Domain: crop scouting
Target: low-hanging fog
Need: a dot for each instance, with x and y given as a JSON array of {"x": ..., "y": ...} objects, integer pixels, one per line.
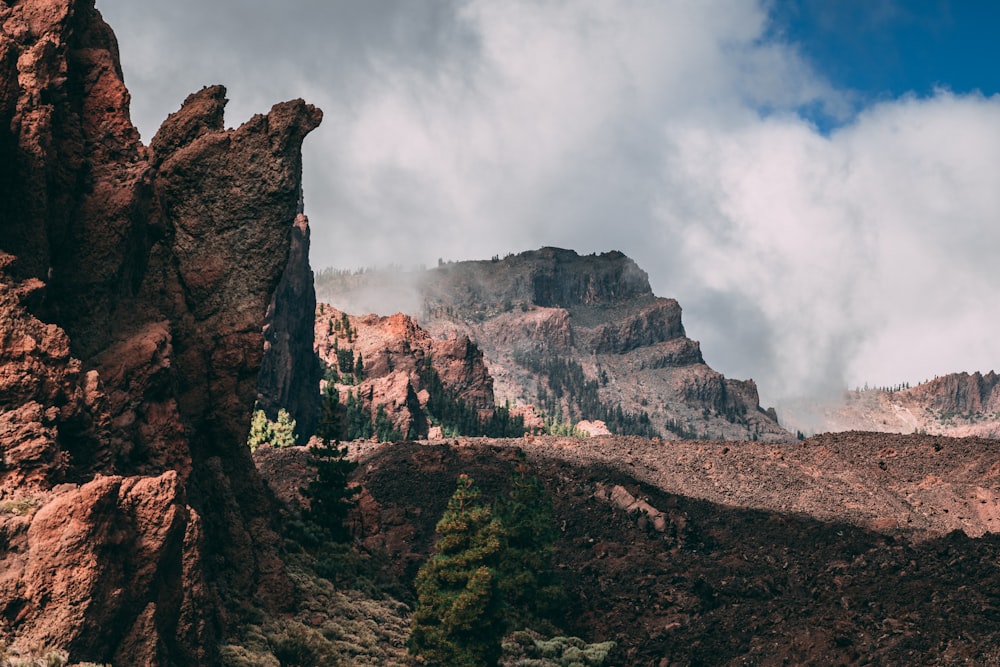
[{"x": 814, "y": 240}]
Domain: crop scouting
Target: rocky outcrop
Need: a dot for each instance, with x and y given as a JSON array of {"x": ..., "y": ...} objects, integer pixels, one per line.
[
  {"x": 960, "y": 393},
  {"x": 134, "y": 285},
  {"x": 957, "y": 405},
  {"x": 536, "y": 312},
  {"x": 290, "y": 370},
  {"x": 396, "y": 353}
]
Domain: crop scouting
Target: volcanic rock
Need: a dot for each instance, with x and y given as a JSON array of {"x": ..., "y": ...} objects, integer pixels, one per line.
[
  {"x": 133, "y": 286},
  {"x": 550, "y": 311},
  {"x": 396, "y": 353},
  {"x": 290, "y": 370}
]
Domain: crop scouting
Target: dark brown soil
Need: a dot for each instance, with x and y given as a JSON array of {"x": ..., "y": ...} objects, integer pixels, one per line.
[{"x": 723, "y": 585}]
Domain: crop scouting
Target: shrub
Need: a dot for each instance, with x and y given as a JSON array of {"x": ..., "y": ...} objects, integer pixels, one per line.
[
  {"x": 530, "y": 649},
  {"x": 21, "y": 506},
  {"x": 263, "y": 431}
]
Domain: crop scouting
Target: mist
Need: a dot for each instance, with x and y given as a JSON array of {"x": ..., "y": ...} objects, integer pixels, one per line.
[{"x": 815, "y": 243}]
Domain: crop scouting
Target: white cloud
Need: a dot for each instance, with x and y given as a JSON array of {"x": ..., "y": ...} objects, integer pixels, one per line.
[{"x": 668, "y": 130}]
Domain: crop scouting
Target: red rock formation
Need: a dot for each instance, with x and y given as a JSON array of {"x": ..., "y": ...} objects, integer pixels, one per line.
[
  {"x": 394, "y": 350},
  {"x": 133, "y": 285}
]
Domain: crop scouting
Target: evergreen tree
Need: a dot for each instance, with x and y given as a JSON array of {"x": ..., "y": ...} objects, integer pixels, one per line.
[
  {"x": 260, "y": 431},
  {"x": 359, "y": 418},
  {"x": 529, "y": 587},
  {"x": 330, "y": 497},
  {"x": 284, "y": 430},
  {"x": 263, "y": 431},
  {"x": 458, "y": 621},
  {"x": 385, "y": 430},
  {"x": 359, "y": 369}
]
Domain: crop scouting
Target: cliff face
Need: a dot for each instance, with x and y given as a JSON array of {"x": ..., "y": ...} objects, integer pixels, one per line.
[
  {"x": 395, "y": 352},
  {"x": 290, "y": 370},
  {"x": 541, "y": 315},
  {"x": 134, "y": 285},
  {"x": 957, "y": 405}
]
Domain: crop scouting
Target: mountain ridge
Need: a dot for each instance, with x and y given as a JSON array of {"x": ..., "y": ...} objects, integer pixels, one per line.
[{"x": 546, "y": 315}]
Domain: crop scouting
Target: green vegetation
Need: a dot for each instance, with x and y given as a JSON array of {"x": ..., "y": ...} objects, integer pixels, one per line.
[
  {"x": 491, "y": 572},
  {"x": 332, "y": 625},
  {"x": 569, "y": 388},
  {"x": 263, "y": 431},
  {"x": 20, "y": 506},
  {"x": 358, "y": 418},
  {"x": 555, "y": 427},
  {"x": 532, "y": 595},
  {"x": 456, "y": 417},
  {"x": 458, "y": 621},
  {"x": 385, "y": 430},
  {"x": 330, "y": 496},
  {"x": 530, "y": 649}
]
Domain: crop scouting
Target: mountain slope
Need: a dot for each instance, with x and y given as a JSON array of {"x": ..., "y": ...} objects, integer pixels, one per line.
[
  {"x": 958, "y": 405},
  {"x": 581, "y": 337}
]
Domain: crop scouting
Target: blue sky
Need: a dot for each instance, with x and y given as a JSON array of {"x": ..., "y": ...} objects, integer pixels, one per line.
[
  {"x": 885, "y": 49},
  {"x": 814, "y": 181}
]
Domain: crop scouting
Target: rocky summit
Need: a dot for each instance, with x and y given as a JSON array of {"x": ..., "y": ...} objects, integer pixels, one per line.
[
  {"x": 135, "y": 281},
  {"x": 580, "y": 337}
]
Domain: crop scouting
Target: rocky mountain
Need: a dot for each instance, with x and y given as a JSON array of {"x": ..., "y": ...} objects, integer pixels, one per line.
[
  {"x": 853, "y": 548},
  {"x": 133, "y": 286},
  {"x": 580, "y": 337},
  {"x": 958, "y": 405},
  {"x": 393, "y": 365}
]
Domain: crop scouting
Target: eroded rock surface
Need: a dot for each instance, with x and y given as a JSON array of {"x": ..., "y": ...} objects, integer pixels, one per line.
[
  {"x": 396, "y": 355},
  {"x": 551, "y": 312},
  {"x": 133, "y": 286},
  {"x": 290, "y": 370}
]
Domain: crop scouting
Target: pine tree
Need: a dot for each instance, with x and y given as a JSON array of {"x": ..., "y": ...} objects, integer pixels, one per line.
[
  {"x": 263, "y": 431},
  {"x": 330, "y": 497},
  {"x": 260, "y": 431},
  {"x": 529, "y": 587},
  {"x": 284, "y": 430},
  {"x": 458, "y": 621}
]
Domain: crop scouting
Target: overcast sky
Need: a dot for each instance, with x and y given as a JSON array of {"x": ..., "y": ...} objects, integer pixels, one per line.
[{"x": 817, "y": 183}]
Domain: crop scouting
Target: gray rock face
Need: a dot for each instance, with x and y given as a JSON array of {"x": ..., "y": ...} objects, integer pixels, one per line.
[{"x": 543, "y": 315}]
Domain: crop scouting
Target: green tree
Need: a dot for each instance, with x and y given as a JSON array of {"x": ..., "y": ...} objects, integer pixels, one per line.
[
  {"x": 531, "y": 592},
  {"x": 330, "y": 496},
  {"x": 385, "y": 430},
  {"x": 359, "y": 418},
  {"x": 359, "y": 368},
  {"x": 458, "y": 621},
  {"x": 263, "y": 431}
]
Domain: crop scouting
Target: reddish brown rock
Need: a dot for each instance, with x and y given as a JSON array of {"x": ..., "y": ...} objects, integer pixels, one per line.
[
  {"x": 395, "y": 351},
  {"x": 133, "y": 286}
]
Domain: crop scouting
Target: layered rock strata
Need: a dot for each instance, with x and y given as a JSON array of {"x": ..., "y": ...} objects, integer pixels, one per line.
[{"x": 536, "y": 312}]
